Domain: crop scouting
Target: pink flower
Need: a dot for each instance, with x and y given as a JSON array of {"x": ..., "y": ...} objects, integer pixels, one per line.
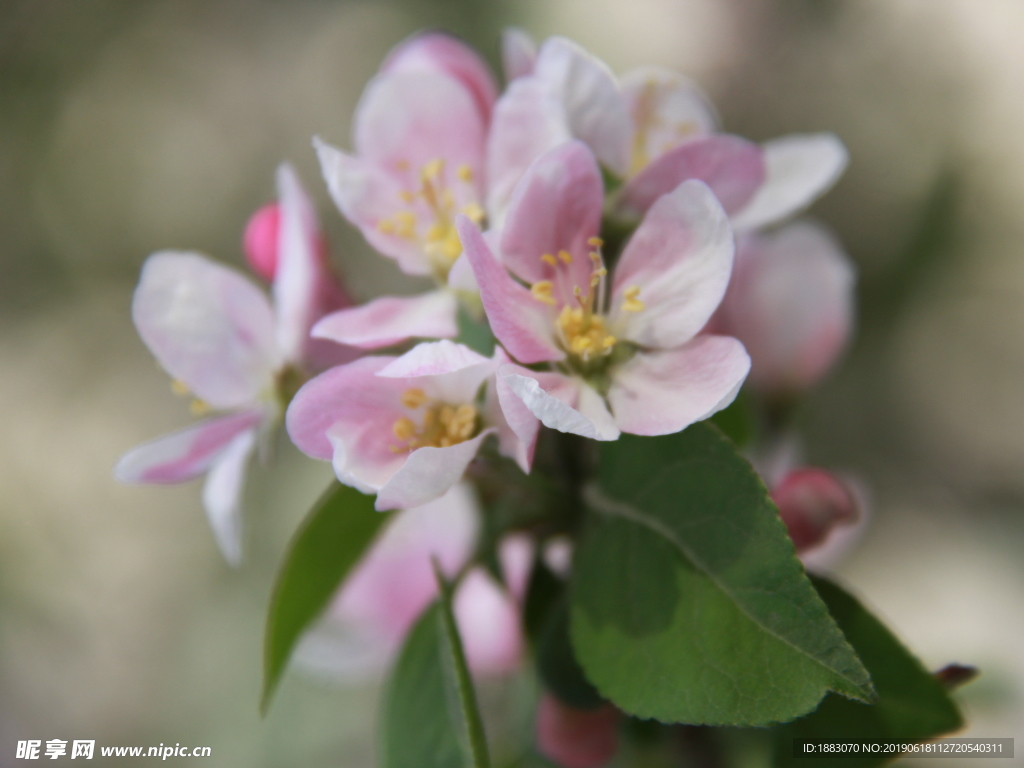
[
  {"x": 419, "y": 136},
  {"x": 791, "y": 303},
  {"x": 626, "y": 357},
  {"x": 655, "y": 129},
  {"x": 394, "y": 583},
  {"x": 576, "y": 738},
  {"x": 404, "y": 428},
  {"x": 220, "y": 339}
]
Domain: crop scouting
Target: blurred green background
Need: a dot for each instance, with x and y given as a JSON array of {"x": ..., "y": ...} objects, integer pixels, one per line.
[{"x": 128, "y": 126}]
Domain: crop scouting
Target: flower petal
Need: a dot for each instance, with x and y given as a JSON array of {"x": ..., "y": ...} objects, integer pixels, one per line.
[
  {"x": 406, "y": 120},
  {"x": 552, "y": 399},
  {"x": 366, "y": 195},
  {"x": 437, "y": 52},
  {"x": 185, "y": 454},
  {"x": 351, "y": 395},
  {"x": 598, "y": 113},
  {"x": 518, "y": 428},
  {"x": 390, "y": 320},
  {"x": 304, "y": 288},
  {"x": 576, "y": 738},
  {"x": 488, "y": 621},
  {"x": 658, "y": 393},
  {"x": 433, "y": 358},
  {"x": 222, "y": 495},
  {"x": 680, "y": 259},
  {"x": 733, "y": 168},
  {"x": 791, "y": 303},
  {"x": 428, "y": 473},
  {"x": 519, "y": 321},
  {"x": 528, "y": 121},
  {"x": 208, "y": 326},
  {"x": 667, "y": 109},
  {"x": 556, "y": 207},
  {"x": 518, "y": 53},
  {"x": 800, "y": 168}
]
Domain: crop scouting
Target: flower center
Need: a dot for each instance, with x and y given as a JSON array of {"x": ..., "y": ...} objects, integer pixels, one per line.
[
  {"x": 441, "y": 424},
  {"x": 436, "y": 235},
  {"x": 582, "y": 330}
]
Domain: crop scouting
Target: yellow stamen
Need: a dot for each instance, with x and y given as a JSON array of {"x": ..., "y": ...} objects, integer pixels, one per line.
[
  {"x": 631, "y": 302},
  {"x": 406, "y": 196},
  {"x": 405, "y": 224},
  {"x": 404, "y": 428},
  {"x": 565, "y": 256},
  {"x": 432, "y": 169},
  {"x": 199, "y": 407},
  {"x": 465, "y": 172},
  {"x": 547, "y": 258},
  {"x": 414, "y": 398},
  {"x": 179, "y": 387},
  {"x": 386, "y": 227},
  {"x": 608, "y": 342},
  {"x": 595, "y": 242},
  {"x": 444, "y": 425},
  {"x": 474, "y": 212},
  {"x": 541, "y": 291}
]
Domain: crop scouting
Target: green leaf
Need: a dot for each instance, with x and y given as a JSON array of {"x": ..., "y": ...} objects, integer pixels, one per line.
[
  {"x": 688, "y": 602},
  {"x": 912, "y": 705},
  {"x": 430, "y": 717},
  {"x": 474, "y": 332},
  {"x": 327, "y": 545},
  {"x": 557, "y": 665},
  {"x": 737, "y": 420}
]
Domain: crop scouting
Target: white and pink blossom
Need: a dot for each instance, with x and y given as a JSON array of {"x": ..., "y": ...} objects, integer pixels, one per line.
[{"x": 226, "y": 344}]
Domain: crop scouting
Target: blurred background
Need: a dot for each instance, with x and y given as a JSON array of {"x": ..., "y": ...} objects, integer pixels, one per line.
[{"x": 128, "y": 126}]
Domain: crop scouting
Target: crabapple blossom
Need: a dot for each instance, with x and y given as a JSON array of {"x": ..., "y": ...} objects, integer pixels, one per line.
[
  {"x": 404, "y": 427},
  {"x": 222, "y": 341},
  {"x": 394, "y": 582},
  {"x": 627, "y": 357}
]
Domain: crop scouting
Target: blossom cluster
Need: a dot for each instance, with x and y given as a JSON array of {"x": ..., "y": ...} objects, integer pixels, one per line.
[{"x": 602, "y": 259}]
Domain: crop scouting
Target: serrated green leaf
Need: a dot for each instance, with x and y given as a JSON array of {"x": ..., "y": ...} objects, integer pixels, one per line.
[
  {"x": 327, "y": 545},
  {"x": 912, "y": 705},
  {"x": 688, "y": 602},
  {"x": 430, "y": 717}
]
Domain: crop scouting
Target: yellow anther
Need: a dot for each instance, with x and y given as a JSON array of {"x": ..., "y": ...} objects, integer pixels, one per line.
[
  {"x": 474, "y": 212},
  {"x": 405, "y": 224},
  {"x": 595, "y": 242},
  {"x": 432, "y": 169},
  {"x": 541, "y": 291},
  {"x": 414, "y": 398},
  {"x": 386, "y": 227},
  {"x": 179, "y": 387},
  {"x": 631, "y": 302},
  {"x": 406, "y": 196},
  {"x": 595, "y": 257},
  {"x": 608, "y": 342},
  {"x": 547, "y": 258},
  {"x": 595, "y": 280},
  {"x": 581, "y": 344},
  {"x": 404, "y": 429},
  {"x": 565, "y": 256},
  {"x": 601, "y": 272},
  {"x": 199, "y": 407},
  {"x": 465, "y": 172}
]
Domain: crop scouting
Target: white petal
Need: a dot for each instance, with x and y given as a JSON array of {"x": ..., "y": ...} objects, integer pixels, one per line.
[
  {"x": 428, "y": 473},
  {"x": 392, "y": 319},
  {"x": 209, "y": 326},
  {"x": 553, "y": 409},
  {"x": 433, "y": 358},
  {"x": 800, "y": 168},
  {"x": 518, "y": 53},
  {"x": 222, "y": 496}
]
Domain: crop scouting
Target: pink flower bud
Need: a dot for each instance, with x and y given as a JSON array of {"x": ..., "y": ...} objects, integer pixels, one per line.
[
  {"x": 812, "y": 502},
  {"x": 260, "y": 241},
  {"x": 576, "y": 738}
]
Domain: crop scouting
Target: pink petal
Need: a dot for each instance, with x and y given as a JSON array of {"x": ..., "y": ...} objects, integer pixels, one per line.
[
  {"x": 518, "y": 53},
  {"x": 518, "y": 428},
  {"x": 428, "y": 473},
  {"x": 222, "y": 495},
  {"x": 597, "y": 112},
  {"x": 433, "y": 359},
  {"x": 800, "y": 168},
  {"x": 187, "y": 453},
  {"x": 732, "y": 167},
  {"x": 667, "y": 109},
  {"x": 528, "y": 121},
  {"x": 811, "y": 503},
  {"x": 351, "y": 395},
  {"x": 259, "y": 243},
  {"x": 576, "y": 738},
  {"x": 366, "y": 194},
  {"x": 658, "y": 393},
  {"x": 520, "y": 322},
  {"x": 562, "y": 403},
  {"x": 438, "y": 53},
  {"x": 390, "y": 320},
  {"x": 680, "y": 258},
  {"x": 791, "y": 303},
  {"x": 488, "y": 620},
  {"x": 208, "y": 326},
  {"x": 516, "y": 555},
  {"x": 304, "y": 287},
  {"x": 556, "y": 207},
  {"x": 406, "y": 120}
]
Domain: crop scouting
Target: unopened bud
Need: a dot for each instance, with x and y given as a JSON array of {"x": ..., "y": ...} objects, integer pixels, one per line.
[
  {"x": 812, "y": 502},
  {"x": 260, "y": 241}
]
